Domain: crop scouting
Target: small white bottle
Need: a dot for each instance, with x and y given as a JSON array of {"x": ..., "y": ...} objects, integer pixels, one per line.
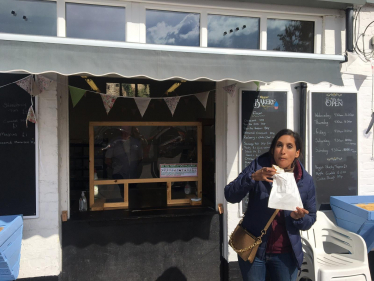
[
  {"x": 83, "y": 203},
  {"x": 96, "y": 188}
]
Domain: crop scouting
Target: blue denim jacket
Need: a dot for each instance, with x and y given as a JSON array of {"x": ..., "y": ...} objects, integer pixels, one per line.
[{"x": 258, "y": 214}]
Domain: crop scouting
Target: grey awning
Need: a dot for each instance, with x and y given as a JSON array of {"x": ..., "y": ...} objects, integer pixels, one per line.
[
  {"x": 138, "y": 60},
  {"x": 326, "y": 4}
]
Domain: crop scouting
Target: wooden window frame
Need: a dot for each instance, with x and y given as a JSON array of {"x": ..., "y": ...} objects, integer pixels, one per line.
[{"x": 101, "y": 205}]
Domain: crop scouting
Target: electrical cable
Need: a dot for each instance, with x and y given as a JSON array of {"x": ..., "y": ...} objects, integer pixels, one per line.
[{"x": 365, "y": 56}]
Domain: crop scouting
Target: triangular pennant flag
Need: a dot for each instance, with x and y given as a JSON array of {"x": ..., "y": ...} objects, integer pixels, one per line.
[
  {"x": 31, "y": 116},
  {"x": 203, "y": 98},
  {"x": 43, "y": 83},
  {"x": 257, "y": 84},
  {"x": 108, "y": 102},
  {"x": 230, "y": 89},
  {"x": 76, "y": 94},
  {"x": 172, "y": 103},
  {"x": 142, "y": 104},
  {"x": 25, "y": 84}
]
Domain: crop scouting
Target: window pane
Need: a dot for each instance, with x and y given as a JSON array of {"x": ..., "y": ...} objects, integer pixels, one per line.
[
  {"x": 173, "y": 28},
  {"x": 147, "y": 195},
  {"x": 136, "y": 90},
  {"x": 233, "y": 32},
  {"x": 95, "y": 22},
  {"x": 110, "y": 193},
  {"x": 184, "y": 190},
  {"x": 40, "y": 17},
  {"x": 137, "y": 152},
  {"x": 290, "y": 35}
]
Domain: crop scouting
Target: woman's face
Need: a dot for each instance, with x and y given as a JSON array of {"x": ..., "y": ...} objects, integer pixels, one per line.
[{"x": 285, "y": 151}]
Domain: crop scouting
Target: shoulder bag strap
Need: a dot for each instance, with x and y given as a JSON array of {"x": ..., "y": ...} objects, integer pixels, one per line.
[
  {"x": 271, "y": 220},
  {"x": 263, "y": 232}
]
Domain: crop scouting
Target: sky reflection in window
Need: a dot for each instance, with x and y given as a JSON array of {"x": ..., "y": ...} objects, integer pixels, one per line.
[
  {"x": 28, "y": 17},
  {"x": 233, "y": 32},
  {"x": 290, "y": 35},
  {"x": 173, "y": 28},
  {"x": 95, "y": 22}
]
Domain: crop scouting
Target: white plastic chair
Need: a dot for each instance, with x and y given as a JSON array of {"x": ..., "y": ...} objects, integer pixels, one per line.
[{"x": 347, "y": 264}]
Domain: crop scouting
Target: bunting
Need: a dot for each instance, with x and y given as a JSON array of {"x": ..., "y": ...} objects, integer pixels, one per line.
[
  {"x": 31, "y": 116},
  {"x": 108, "y": 102},
  {"x": 76, "y": 94},
  {"x": 203, "y": 98},
  {"x": 142, "y": 104},
  {"x": 230, "y": 89},
  {"x": 257, "y": 84},
  {"x": 172, "y": 103},
  {"x": 43, "y": 83},
  {"x": 26, "y": 84}
]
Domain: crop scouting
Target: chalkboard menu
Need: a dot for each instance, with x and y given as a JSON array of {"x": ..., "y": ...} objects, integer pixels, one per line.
[
  {"x": 334, "y": 144},
  {"x": 17, "y": 150},
  {"x": 262, "y": 115}
]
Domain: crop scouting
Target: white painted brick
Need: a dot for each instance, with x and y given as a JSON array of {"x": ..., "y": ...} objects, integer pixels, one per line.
[{"x": 41, "y": 247}]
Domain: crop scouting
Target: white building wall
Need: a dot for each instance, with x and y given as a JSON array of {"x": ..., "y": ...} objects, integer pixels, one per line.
[
  {"x": 359, "y": 75},
  {"x": 41, "y": 249}
]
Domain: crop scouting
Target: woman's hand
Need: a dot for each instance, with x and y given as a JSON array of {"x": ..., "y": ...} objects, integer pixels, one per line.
[
  {"x": 264, "y": 174},
  {"x": 299, "y": 213}
]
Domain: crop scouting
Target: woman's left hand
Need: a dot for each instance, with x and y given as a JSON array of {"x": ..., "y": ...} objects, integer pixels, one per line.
[{"x": 299, "y": 213}]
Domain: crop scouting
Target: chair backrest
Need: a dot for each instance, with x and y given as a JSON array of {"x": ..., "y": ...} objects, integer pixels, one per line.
[{"x": 324, "y": 230}]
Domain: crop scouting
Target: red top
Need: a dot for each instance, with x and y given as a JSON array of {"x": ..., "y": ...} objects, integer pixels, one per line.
[{"x": 278, "y": 241}]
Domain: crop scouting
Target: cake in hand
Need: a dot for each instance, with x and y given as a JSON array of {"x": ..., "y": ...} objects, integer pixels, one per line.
[{"x": 278, "y": 169}]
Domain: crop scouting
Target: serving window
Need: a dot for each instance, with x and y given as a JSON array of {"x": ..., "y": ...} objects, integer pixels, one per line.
[{"x": 145, "y": 164}]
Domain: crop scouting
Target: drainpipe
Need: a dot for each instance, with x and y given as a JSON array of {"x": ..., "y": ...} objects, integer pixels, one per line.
[
  {"x": 349, "y": 29},
  {"x": 302, "y": 125}
]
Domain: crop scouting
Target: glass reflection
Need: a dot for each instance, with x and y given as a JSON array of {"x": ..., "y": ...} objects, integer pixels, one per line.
[
  {"x": 110, "y": 193},
  {"x": 172, "y": 28},
  {"x": 28, "y": 17},
  {"x": 233, "y": 32},
  {"x": 136, "y": 90},
  {"x": 95, "y": 22},
  {"x": 184, "y": 190},
  {"x": 136, "y": 152},
  {"x": 290, "y": 35}
]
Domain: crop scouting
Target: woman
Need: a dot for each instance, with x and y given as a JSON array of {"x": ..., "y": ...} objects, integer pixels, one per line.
[{"x": 280, "y": 253}]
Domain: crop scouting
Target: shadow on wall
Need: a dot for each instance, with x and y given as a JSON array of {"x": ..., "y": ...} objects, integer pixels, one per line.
[
  {"x": 172, "y": 273},
  {"x": 166, "y": 248},
  {"x": 140, "y": 231}
]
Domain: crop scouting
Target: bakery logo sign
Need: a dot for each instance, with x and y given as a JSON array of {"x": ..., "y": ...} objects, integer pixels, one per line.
[{"x": 266, "y": 102}]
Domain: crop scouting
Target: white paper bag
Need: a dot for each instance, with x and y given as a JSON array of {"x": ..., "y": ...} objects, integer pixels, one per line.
[{"x": 284, "y": 195}]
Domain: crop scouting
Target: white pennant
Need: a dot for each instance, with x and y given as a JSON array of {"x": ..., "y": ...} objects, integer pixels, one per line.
[
  {"x": 42, "y": 83},
  {"x": 31, "y": 116},
  {"x": 108, "y": 102},
  {"x": 203, "y": 98},
  {"x": 142, "y": 104},
  {"x": 230, "y": 89},
  {"x": 172, "y": 103},
  {"x": 26, "y": 84}
]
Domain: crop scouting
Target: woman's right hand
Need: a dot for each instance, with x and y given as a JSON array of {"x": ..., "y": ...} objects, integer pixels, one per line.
[{"x": 264, "y": 174}]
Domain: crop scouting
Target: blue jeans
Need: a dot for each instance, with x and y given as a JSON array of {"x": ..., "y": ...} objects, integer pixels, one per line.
[{"x": 280, "y": 267}]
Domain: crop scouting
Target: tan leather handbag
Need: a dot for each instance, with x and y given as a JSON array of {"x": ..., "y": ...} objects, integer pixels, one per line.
[{"x": 245, "y": 243}]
